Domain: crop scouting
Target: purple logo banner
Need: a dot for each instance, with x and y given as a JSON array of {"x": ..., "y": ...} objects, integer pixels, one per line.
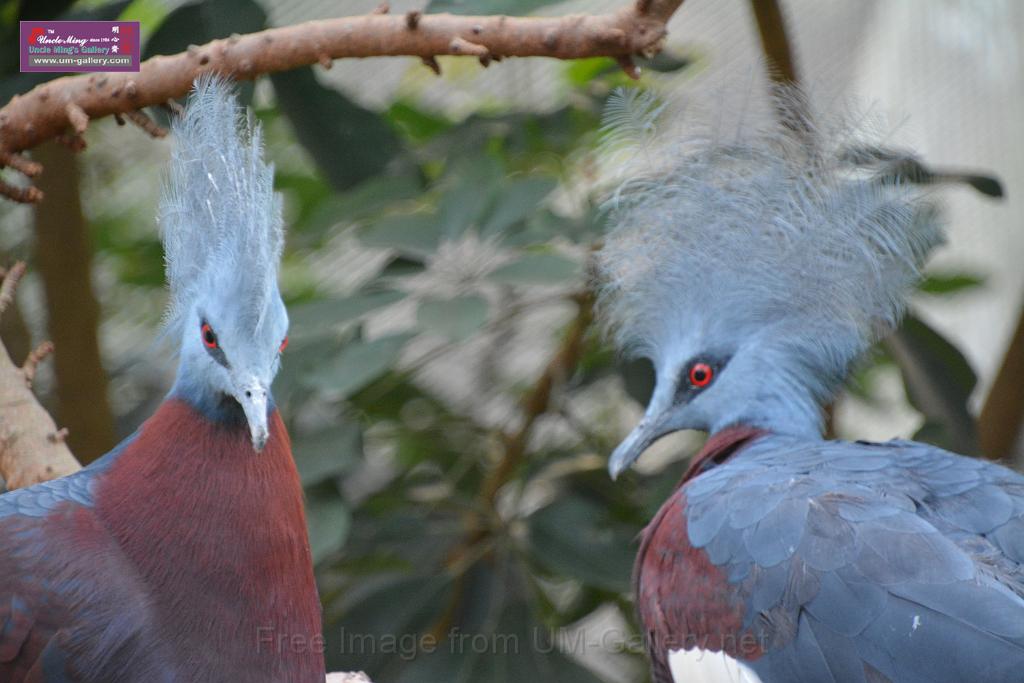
[{"x": 78, "y": 46}]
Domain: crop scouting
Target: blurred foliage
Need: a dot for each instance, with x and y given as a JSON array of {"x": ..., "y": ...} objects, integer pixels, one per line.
[{"x": 471, "y": 236}]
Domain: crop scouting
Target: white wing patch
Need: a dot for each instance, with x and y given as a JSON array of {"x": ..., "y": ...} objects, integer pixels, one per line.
[{"x": 702, "y": 666}]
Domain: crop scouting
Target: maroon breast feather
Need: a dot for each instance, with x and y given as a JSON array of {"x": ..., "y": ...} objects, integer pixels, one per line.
[{"x": 684, "y": 601}]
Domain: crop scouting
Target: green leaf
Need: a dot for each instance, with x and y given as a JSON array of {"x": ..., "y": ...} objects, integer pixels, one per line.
[
  {"x": 327, "y": 518},
  {"x": 664, "y": 62},
  {"x": 638, "y": 378},
  {"x": 499, "y": 637},
  {"x": 382, "y": 622},
  {"x": 938, "y": 381},
  {"x": 456, "y": 319},
  {"x": 328, "y": 452},
  {"x": 518, "y": 199},
  {"x": 180, "y": 28},
  {"x": 358, "y": 364},
  {"x": 197, "y": 23},
  {"x": 348, "y": 143},
  {"x": 373, "y": 196},
  {"x": 415, "y": 234},
  {"x": 573, "y": 536},
  {"x": 149, "y": 13},
  {"x": 401, "y": 266},
  {"x": 41, "y": 10},
  {"x": 417, "y": 124},
  {"x": 318, "y": 215},
  {"x": 303, "y": 190},
  {"x": 537, "y": 268},
  {"x": 310, "y": 321},
  {"x": 301, "y": 358},
  {"x": 950, "y": 283},
  {"x": 487, "y": 7},
  {"x": 473, "y": 185},
  {"x": 580, "y": 72}
]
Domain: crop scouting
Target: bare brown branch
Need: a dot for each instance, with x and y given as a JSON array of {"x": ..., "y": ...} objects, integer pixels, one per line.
[
  {"x": 140, "y": 119},
  {"x": 25, "y": 195},
  {"x": 629, "y": 67},
  {"x": 64, "y": 262},
  {"x": 29, "y": 453},
  {"x": 10, "y": 284},
  {"x": 999, "y": 424},
  {"x": 21, "y": 164},
  {"x": 781, "y": 63},
  {"x": 778, "y": 51},
  {"x": 77, "y": 117},
  {"x": 45, "y": 112},
  {"x": 35, "y": 357},
  {"x": 461, "y": 46},
  {"x": 432, "y": 64}
]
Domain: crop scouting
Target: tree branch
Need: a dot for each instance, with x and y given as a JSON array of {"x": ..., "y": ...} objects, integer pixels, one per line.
[
  {"x": 535, "y": 403},
  {"x": 31, "y": 447},
  {"x": 775, "y": 42},
  {"x": 49, "y": 110},
  {"x": 64, "y": 260},
  {"x": 780, "y": 64},
  {"x": 538, "y": 400},
  {"x": 999, "y": 423}
]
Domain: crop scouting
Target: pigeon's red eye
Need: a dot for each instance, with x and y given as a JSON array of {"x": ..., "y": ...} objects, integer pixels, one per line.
[
  {"x": 701, "y": 374},
  {"x": 209, "y": 337},
  {"x": 284, "y": 345}
]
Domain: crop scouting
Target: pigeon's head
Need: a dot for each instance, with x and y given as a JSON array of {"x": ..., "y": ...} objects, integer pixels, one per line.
[
  {"x": 752, "y": 273},
  {"x": 222, "y": 229}
]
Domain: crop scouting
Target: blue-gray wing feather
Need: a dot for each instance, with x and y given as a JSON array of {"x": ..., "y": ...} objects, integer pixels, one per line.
[{"x": 869, "y": 562}]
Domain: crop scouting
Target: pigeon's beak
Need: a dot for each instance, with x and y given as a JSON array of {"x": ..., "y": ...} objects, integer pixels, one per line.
[
  {"x": 649, "y": 430},
  {"x": 253, "y": 399}
]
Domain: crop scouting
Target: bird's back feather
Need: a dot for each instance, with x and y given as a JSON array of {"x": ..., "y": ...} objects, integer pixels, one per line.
[{"x": 852, "y": 562}]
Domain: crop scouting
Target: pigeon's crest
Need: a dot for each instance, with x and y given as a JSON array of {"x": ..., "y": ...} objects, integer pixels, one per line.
[
  {"x": 770, "y": 236},
  {"x": 220, "y": 220}
]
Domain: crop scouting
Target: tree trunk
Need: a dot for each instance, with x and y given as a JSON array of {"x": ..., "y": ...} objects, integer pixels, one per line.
[{"x": 64, "y": 260}]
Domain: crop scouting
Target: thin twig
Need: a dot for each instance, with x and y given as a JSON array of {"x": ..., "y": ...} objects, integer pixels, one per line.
[
  {"x": 21, "y": 164},
  {"x": 151, "y": 127},
  {"x": 35, "y": 357},
  {"x": 77, "y": 117},
  {"x": 23, "y": 195},
  {"x": 780, "y": 62},
  {"x": 432, "y": 64},
  {"x": 10, "y": 278},
  {"x": 538, "y": 400}
]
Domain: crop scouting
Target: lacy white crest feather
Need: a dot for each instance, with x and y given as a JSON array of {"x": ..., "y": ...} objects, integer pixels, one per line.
[
  {"x": 220, "y": 219},
  {"x": 766, "y": 237}
]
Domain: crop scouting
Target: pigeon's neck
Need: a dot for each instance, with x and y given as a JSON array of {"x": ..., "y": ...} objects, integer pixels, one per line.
[
  {"x": 721, "y": 446},
  {"x": 214, "y": 405},
  {"x": 773, "y": 405},
  {"x": 209, "y": 523}
]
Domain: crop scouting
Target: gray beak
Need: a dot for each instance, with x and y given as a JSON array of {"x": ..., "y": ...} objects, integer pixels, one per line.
[
  {"x": 253, "y": 399},
  {"x": 639, "y": 440}
]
